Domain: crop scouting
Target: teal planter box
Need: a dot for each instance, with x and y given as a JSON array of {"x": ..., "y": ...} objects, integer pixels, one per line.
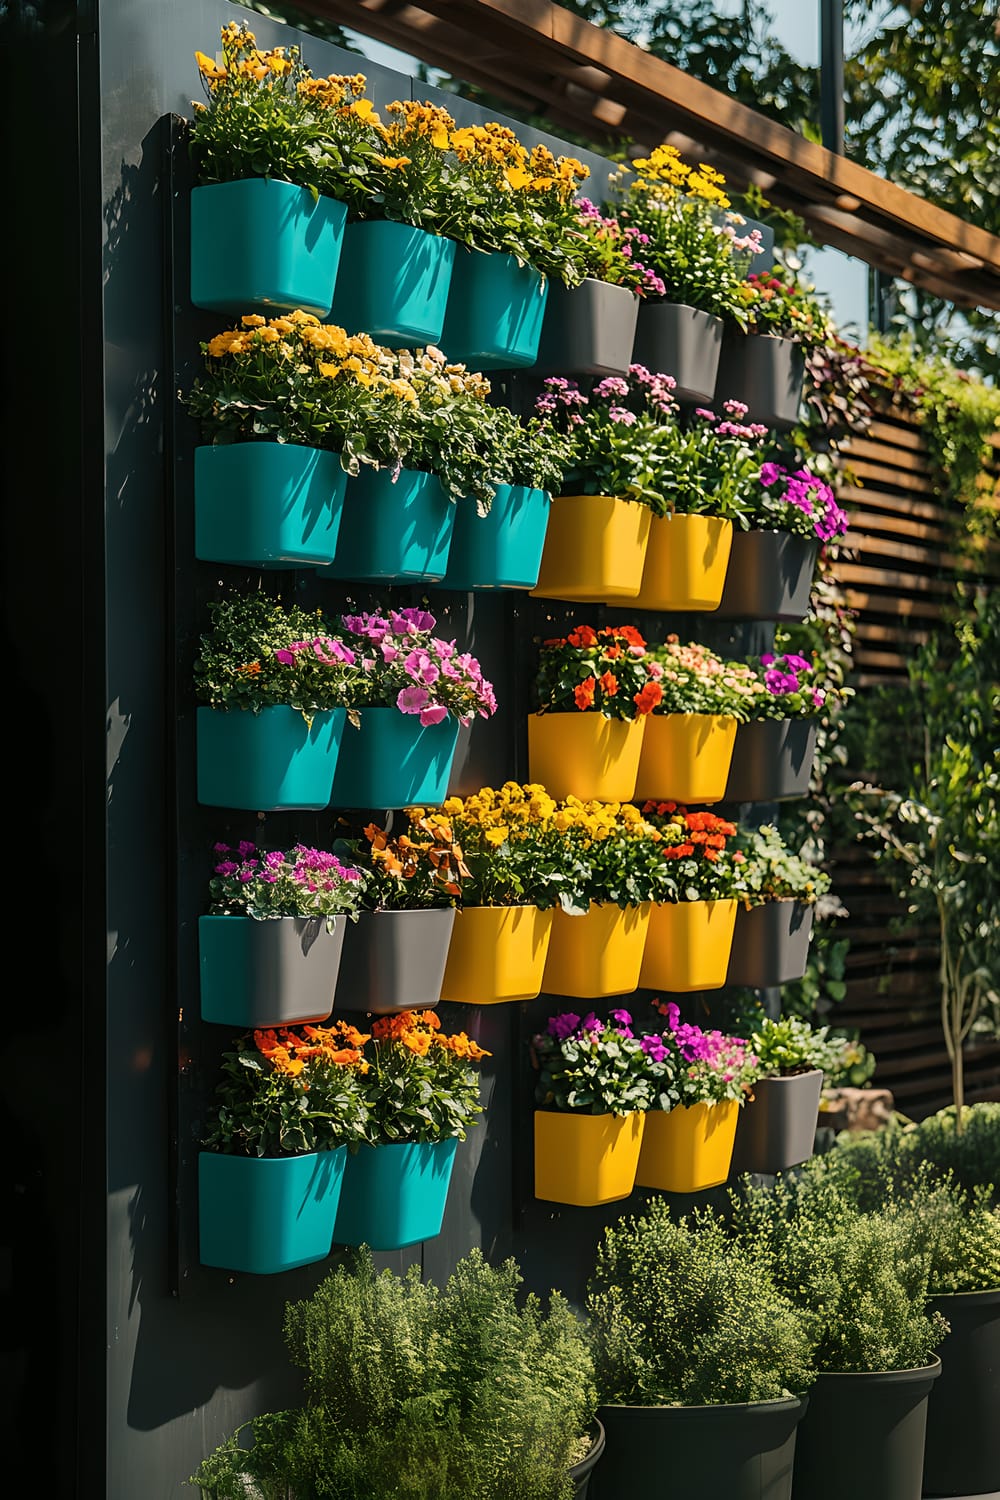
[
  {"x": 267, "y": 505},
  {"x": 395, "y": 1195},
  {"x": 275, "y": 971},
  {"x": 495, "y": 312},
  {"x": 259, "y": 243},
  {"x": 394, "y": 761},
  {"x": 502, "y": 550},
  {"x": 394, "y": 532},
  {"x": 267, "y": 761},
  {"x": 265, "y": 1214},
  {"x": 393, "y": 283}
]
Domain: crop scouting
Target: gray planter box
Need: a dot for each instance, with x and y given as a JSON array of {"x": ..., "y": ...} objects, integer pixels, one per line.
[
  {"x": 588, "y": 330},
  {"x": 772, "y": 760},
  {"x": 777, "y": 1128},
  {"x": 885, "y": 1412},
  {"x": 764, "y": 372},
  {"x": 770, "y": 944},
  {"x": 394, "y": 960},
  {"x": 770, "y": 576},
  {"x": 281, "y": 971},
  {"x": 672, "y": 339}
]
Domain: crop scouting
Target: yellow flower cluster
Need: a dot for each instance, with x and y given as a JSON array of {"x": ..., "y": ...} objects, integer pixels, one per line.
[
  {"x": 516, "y": 811},
  {"x": 664, "y": 173},
  {"x": 412, "y": 120}
]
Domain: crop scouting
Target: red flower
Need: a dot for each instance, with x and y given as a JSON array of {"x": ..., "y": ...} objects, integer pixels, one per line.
[
  {"x": 647, "y": 699},
  {"x": 583, "y": 635},
  {"x": 584, "y": 692},
  {"x": 609, "y": 683}
]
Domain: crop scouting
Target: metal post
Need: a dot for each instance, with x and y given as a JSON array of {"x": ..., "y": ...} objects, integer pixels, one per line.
[{"x": 831, "y": 75}]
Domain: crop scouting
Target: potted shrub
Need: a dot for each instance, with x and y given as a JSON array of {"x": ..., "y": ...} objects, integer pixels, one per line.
[
  {"x": 695, "y": 886},
  {"x": 593, "y": 1090},
  {"x": 472, "y": 1387},
  {"x": 421, "y": 1089},
  {"x": 592, "y": 699},
  {"x": 275, "y": 684},
  {"x": 701, "y": 1363},
  {"x": 275, "y": 1147},
  {"x": 789, "y": 515},
  {"x": 777, "y": 1127},
  {"x": 763, "y": 357},
  {"x": 775, "y": 919},
  {"x": 417, "y": 688},
  {"x": 269, "y": 948},
  {"x": 776, "y": 745}
]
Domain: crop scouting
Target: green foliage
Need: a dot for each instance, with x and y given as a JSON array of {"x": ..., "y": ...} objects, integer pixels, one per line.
[
  {"x": 679, "y": 1313},
  {"x": 789, "y": 1045},
  {"x": 892, "y": 1159},
  {"x": 774, "y": 872}
]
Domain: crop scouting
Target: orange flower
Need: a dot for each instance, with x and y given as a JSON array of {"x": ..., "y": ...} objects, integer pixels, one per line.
[
  {"x": 417, "y": 1041},
  {"x": 609, "y": 684},
  {"x": 648, "y": 697},
  {"x": 583, "y": 693},
  {"x": 583, "y": 635}
]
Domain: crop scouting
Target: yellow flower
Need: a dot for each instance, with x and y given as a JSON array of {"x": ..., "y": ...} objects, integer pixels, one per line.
[
  {"x": 517, "y": 178},
  {"x": 393, "y": 162},
  {"x": 252, "y": 320},
  {"x": 497, "y": 836}
]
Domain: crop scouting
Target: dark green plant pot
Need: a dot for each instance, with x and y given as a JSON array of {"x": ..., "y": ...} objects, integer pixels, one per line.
[
  {"x": 772, "y": 760},
  {"x": 770, "y": 944},
  {"x": 962, "y": 1450},
  {"x": 776, "y": 1129},
  {"x": 673, "y": 339},
  {"x": 882, "y": 1415},
  {"x": 394, "y": 960},
  {"x": 588, "y": 330},
  {"x": 580, "y": 1473},
  {"x": 732, "y": 1452},
  {"x": 770, "y": 576},
  {"x": 765, "y": 373}
]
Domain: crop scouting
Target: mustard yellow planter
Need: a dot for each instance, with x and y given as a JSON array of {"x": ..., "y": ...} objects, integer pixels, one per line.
[
  {"x": 595, "y": 549},
  {"x": 582, "y": 754},
  {"x": 586, "y": 1159},
  {"x": 497, "y": 953},
  {"x": 686, "y": 562},
  {"x": 596, "y": 954},
  {"x": 688, "y": 945},
  {"x": 688, "y": 1148},
  {"x": 686, "y": 758}
]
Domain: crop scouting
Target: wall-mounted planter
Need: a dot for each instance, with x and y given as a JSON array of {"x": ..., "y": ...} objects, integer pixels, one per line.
[
  {"x": 497, "y": 954},
  {"x": 776, "y": 1128},
  {"x": 685, "y": 758},
  {"x": 395, "y": 1194},
  {"x": 394, "y": 960},
  {"x": 770, "y": 944},
  {"x": 495, "y": 310},
  {"x": 265, "y": 1214},
  {"x": 585, "y": 755},
  {"x": 962, "y": 1450},
  {"x": 770, "y": 576},
  {"x": 268, "y": 761},
  {"x": 393, "y": 760},
  {"x": 597, "y": 954},
  {"x": 687, "y": 559},
  {"x": 595, "y": 549},
  {"x": 393, "y": 283},
  {"x": 673, "y": 339},
  {"x": 765, "y": 373},
  {"x": 394, "y": 530},
  {"x": 501, "y": 550},
  {"x": 688, "y": 945},
  {"x": 260, "y": 243},
  {"x": 586, "y": 1159},
  {"x": 267, "y": 505},
  {"x": 587, "y": 330},
  {"x": 688, "y": 1148},
  {"x": 281, "y": 971},
  {"x": 772, "y": 760}
]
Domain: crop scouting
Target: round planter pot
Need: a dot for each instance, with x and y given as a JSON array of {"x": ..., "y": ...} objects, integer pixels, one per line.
[
  {"x": 673, "y": 339},
  {"x": 501, "y": 550},
  {"x": 393, "y": 760},
  {"x": 731, "y": 1452},
  {"x": 393, "y": 531},
  {"x": 776, "y": 1128},
  {"x": 687, "y": 946},
  {"x": 688, "y": 1148},
  {"x": 281, "y": 971},
  {"x": 885, "y": 1413},
  {"x": 585, "y": 755},
  {"x": 765, "y": 373},
  {"x": 586, "y": 1159},
  {"x": 493, "y": 320},
  {"x": 270, "y": 761},
  {"x": 393, "y": 283},
  {"x": 267, "y": 505},
  {"x": 687, "y": 559},
  {"x": 597, "y": 954},
  {"x": 770, "y": 576},
  {"x": 587, "y": 330},
  {"x": 580, "y": 1473},
  {"x": 770, "y": 944},
  {"x": 497, "y": 954},
  {"x": 595, "y": 549},
  {"x": 962, "y": 1449},
  {"x": 685, "y": 758},
  {"x": 395, "y": 1195},
  {"x": 394, "y": 960},
  {"x": 772, "y": 760},
  {"x": 265, "y": 1214}
]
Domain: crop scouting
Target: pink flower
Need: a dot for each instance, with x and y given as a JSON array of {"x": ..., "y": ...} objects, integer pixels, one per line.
[
  {"x": 412, "y": 700},
  {"x": 433, "y": 714}
]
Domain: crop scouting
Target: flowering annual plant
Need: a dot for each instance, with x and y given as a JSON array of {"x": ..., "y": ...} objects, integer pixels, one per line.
[
  {"x": 592, "y": 1067},
  {"x": 796, "y": 501},
  {"x": 296, "y": 882},
  {"x": 773, "y": 872},
  {"x": 509, "y": 842},
  {"x": 696, "y": 861},
  {"x": 258, "y": 652},
  {"x": 409, "y": 871},
  {"x": 422, "y": 1084},
  {"x": 710, "y": 464},
  {"x": 700, "y": 1067},
  {"x": 613, "y": 253},
  {"x": 613, "y": 855},
  {"x": 793, "y": 686},
  {"x": 288, "y": 1090},
  {"x": 787, "y": 309},
  {"x": 602, "y": 670},
  {"x": 405, "y": 666},
  {"x": 694, "y": 680},
  {"x": 791, "y": 1045}
]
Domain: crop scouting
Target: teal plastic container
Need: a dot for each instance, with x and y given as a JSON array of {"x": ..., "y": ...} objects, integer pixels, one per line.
[
  {"x": 502, "y": 550},
  {"x": 264, "y": 244},
  {"x": 495, "y": 312},
  {"x": 394, "y": 532},
  {"x": 393, "y": 283},
  {"x": 394, "y": 761},
  {"x": 394, "y": 1195},
  {"x": 267, "y": 761},
  {"x": 267, "y": 505},
  {"x": 266, "y": 1214}
]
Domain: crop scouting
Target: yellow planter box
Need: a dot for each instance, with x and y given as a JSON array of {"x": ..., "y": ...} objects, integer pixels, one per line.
[
  {"x": 586, "y": 1159},
  {"x": 582, "y": 754},
  {"x": 685, "y": 758},
  {"x": 595, "y": 549},
  {"x": 686, "y": 562},
  {"x": 596, "y": 954},
  {"x": 497, "y": 953},
  {"x": 688, "y": 945},
  {"x": 688, "y": 1148}
]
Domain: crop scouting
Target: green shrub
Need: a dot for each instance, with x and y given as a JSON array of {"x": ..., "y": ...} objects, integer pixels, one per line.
[{"x": 894, "y": 1157}]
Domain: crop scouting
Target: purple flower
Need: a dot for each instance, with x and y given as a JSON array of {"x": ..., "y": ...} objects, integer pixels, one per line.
[
  {"x": 654, "y": 1048},
  {"x": 591, "y": 1023},
  {"x": 226, "y": 868},
  {"x": 767, "y": 659},
  {"x": 563, "y": 1025},
  {"x": 797, "y": 663},
  {"x": 770, "y": 474},
  {"x": 780, "y": 682}
]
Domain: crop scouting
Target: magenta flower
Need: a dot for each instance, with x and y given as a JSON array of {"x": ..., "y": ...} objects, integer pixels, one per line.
[
  {"x": 433, "y": 714},
  {"x": 412, "y": 700},
  {"x": 563, "y": 1026}
]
